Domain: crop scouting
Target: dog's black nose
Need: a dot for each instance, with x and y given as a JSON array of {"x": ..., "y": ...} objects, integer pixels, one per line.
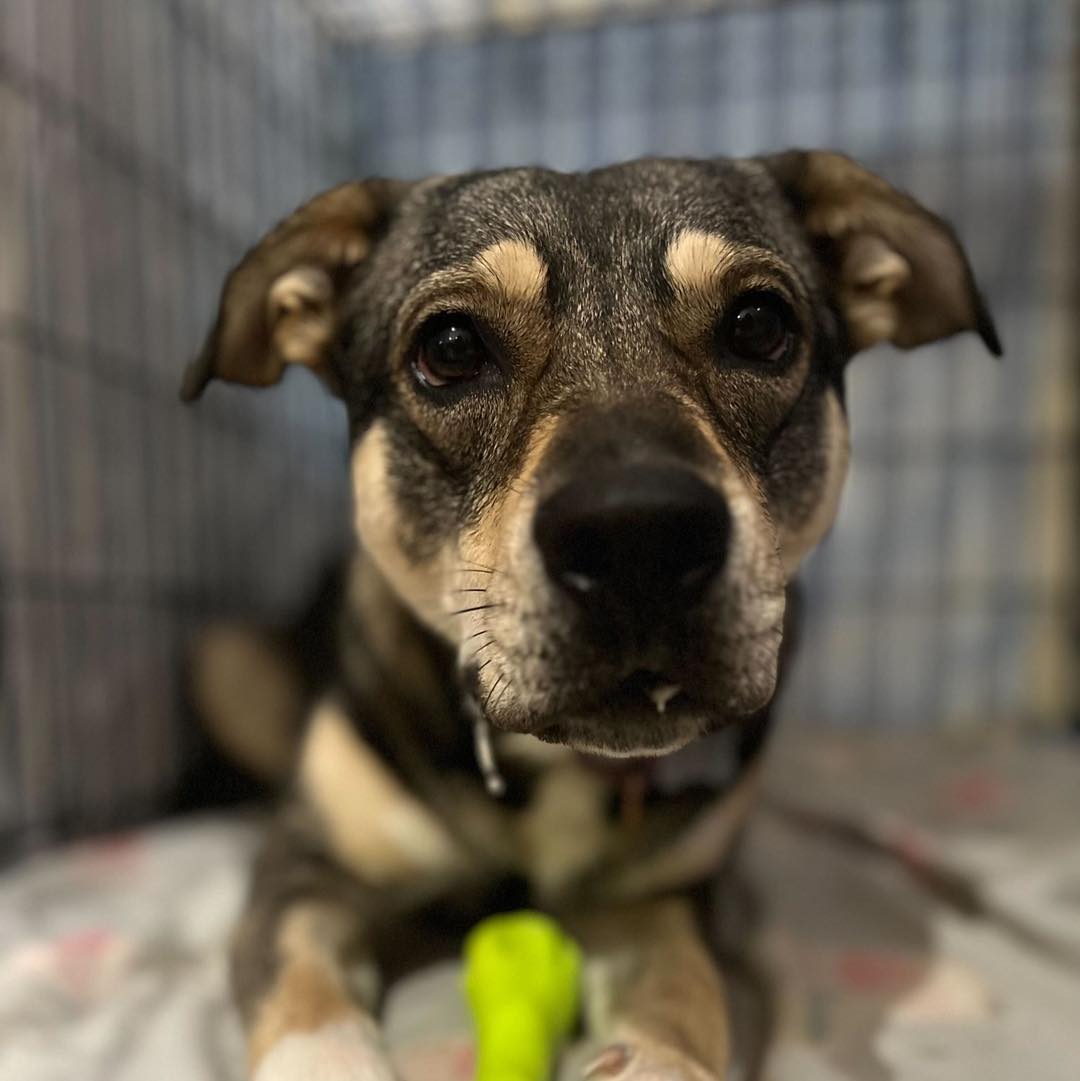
[{"x": 634, "y": 539}]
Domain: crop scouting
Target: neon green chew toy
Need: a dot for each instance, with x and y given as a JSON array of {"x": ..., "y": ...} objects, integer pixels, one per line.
[{"x": 522, "y": 977}]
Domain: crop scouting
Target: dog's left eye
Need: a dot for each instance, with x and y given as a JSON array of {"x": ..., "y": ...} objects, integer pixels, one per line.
[
  {"x": 760, "y": 327},
  {"x": 449, "y": 349}
]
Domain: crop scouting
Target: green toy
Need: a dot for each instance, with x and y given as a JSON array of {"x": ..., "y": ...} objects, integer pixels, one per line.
[{"x": 522, "y": 981}]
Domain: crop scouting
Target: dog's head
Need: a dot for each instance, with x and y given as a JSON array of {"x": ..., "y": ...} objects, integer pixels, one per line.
[{"x": 597, "y": 419}]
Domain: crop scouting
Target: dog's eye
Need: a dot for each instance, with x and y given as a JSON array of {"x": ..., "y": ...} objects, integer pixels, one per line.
[
  {"x": 759, "y": 327},
  {"x": 449, "y": 349}
]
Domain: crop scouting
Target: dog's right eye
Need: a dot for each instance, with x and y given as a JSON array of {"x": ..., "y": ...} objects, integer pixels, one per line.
[{"x": 449, "y": 349}]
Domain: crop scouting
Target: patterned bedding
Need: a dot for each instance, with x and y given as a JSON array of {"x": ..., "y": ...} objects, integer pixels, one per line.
[
  {"x": 112, "y": 960},
  {"x": 112, "y": 953}
]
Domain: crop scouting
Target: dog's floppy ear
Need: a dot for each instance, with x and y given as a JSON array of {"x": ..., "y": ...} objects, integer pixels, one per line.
[
  {"x": 897, "y": 271},
  {"x": 280, "y": 304}
]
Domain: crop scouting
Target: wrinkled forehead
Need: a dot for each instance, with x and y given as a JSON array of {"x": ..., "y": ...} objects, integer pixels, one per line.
[{"x": 619, "y": 222}]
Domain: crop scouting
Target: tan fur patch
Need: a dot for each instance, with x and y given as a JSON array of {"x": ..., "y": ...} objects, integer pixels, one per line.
[
  {"x": 796, "y": 543},
  {"x": 654, "y": 990},
  {"x": 483, "y": 544},
  {"x": 564, "y": 830},
  {"x": 708, "y": 272},
  {"x": 514, "y": 269},
  {"x": 753, "y": 538},
  {"x": 308, "y": 995},
  {"x": 249, "y": 697},
  {"x": 377, "y": 828},
  {"x": 420, "y": 586},
  {"x": 697, "y": 260},
  {"x": 309, "y": 991},
  {"x": 496, "y": 541},
  {"x": 301, "y": 312},
  {"x": 871, "y": 278}
]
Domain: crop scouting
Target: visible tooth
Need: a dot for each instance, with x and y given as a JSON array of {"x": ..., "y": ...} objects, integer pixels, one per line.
[{"x": 662, "y": 694}]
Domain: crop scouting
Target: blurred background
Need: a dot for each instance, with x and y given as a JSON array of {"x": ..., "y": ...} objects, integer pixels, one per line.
[{"x": 144, "y": 146}]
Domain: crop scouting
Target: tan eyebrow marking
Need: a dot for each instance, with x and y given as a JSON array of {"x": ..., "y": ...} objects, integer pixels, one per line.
[
  {"x": 696, "y": 260},
  {"x": 512, "y": 268}
]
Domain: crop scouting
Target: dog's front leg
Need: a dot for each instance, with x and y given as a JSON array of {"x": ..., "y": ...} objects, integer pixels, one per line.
[
  {"x": 668, "y": 1016},
  {"x": 301, "y": 938}
]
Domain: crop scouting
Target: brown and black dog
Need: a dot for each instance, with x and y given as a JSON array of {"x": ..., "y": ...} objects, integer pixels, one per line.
[{"x": 597, "y": 420}]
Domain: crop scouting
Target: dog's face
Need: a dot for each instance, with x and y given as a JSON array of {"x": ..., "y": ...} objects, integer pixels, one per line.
[{"x": 597, "y": 418}]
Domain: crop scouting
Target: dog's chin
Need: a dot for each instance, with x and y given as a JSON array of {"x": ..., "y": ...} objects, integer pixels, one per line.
[
  {"x": 645, "y": 715},
  {"x": 636, "y": 732}
]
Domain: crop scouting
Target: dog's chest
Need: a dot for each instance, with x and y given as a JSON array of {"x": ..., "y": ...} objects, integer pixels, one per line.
[
  {"x": 567, "y": 827},
  {"x": 615, "y": 832}
]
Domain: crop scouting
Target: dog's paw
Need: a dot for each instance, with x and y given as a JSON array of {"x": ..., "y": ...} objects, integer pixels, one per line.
[
  {"x": 637, "y": 1060},
  {"x": 344, "y": 1051}
]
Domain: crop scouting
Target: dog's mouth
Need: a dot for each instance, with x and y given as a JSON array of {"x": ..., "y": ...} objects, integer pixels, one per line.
[
  {"x": 645, "y": 715},
  {"x": 642, "y": 711}
]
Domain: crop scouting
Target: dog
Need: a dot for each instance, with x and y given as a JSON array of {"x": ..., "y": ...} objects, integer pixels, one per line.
[{"x": 597, "y": 421}]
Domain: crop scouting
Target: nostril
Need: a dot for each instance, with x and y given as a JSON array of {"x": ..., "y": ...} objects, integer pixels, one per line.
[
  {"x": 586, "y": 558},
  {"x": 698, "y": 541}
]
